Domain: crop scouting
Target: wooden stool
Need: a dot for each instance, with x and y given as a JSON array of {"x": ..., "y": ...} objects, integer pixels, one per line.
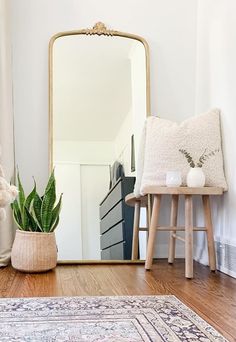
[
  {"x": 137, "y": 203},
  {"x": 205, "y": 192}
]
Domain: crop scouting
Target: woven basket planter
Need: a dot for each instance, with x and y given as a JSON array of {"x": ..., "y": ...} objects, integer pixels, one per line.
[{"x": 34, "y": 252}]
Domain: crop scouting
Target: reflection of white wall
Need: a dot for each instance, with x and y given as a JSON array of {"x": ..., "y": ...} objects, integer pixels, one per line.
[
  {"x": 91, "y": 86},
  {"x": 83, "y": 188},
  {"x": 69, "y": 230},
  {"x": 122, "y": 143},
  {"x": 133, "y": 123},
  {"x": 94, "y": 187},
  {"x": 138, "y": 78},
  {"x": 84, "y": 152},
  {"x": 83, "y": 175}
]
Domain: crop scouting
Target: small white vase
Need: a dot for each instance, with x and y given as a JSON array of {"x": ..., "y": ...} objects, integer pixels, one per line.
[
  {"x": 196, "y": 178},
  {"x": 173, "y": 178}
]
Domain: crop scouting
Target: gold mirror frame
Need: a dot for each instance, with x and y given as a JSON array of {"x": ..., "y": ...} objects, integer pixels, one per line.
[{"x": 98, "y": 29}]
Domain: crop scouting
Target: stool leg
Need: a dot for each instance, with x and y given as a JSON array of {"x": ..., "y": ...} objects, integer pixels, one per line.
[
  {"x": 149, "y": 207},
  {"x": 148, "y": 213},
  {"x": 209, "y": 231},
  {"x": 147, "y": 223},
  {"x": 188, "y": 236},
  {"x": 136, "y": 230},
  {"x": 173, "y": 223},
  {"x": 152, "y": 231}
]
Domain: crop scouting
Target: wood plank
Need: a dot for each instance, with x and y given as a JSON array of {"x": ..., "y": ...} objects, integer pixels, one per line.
[
  {"x": 135, "y": 241},
  {"x": 152, "y": 231},
  {"x": 188, "y": 236},
  {"x": 183, "y": 190},
  {"x": 149, "y": 209},
  {"x": 211, "y": 295},
  {"x": 178, "y": 229},
  {"x": 175, "y": 236},
  {"x": 130, "y": 199},
  {"x": 173, "y": 223},
  {"x": 210, "y": 234}
]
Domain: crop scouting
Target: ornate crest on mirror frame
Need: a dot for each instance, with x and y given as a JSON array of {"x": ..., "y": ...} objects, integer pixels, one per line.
[{"x": 99, "y": 29}]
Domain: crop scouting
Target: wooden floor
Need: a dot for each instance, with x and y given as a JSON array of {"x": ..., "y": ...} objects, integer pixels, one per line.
[{"x": 211, "y": 295}]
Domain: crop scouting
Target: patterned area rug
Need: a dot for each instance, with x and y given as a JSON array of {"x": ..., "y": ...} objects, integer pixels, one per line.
[{"x": 113, "y": 319}]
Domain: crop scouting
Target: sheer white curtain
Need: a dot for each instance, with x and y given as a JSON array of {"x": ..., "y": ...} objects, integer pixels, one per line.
[{"x": 6, "y": 125}]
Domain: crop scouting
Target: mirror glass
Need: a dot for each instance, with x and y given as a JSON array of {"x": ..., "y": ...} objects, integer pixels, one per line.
[{"x": 98, "y": 107}]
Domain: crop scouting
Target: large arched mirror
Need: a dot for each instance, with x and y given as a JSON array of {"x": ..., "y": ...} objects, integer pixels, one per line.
[{"x": 99, "y": 98}]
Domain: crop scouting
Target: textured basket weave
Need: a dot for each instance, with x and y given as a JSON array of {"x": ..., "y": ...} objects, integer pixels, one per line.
[{"x": 34, "y": 252}]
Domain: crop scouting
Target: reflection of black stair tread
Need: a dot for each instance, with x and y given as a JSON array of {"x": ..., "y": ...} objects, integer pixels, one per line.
[
  {"x": 123, "y": 187},
  {"x": 115, "y": 252},
  {"x": 116, "y": 224},
  {"x": 113, "y": 236},
  {"x": 114, "y": 216}
]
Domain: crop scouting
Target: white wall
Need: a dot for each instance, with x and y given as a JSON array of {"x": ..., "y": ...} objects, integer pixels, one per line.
[
  {"x": 216, "y": 84},
  {"x": 168, "y": 26},
  {"x": 6, "y": 125},
  {"x": 175, "y": 37}
]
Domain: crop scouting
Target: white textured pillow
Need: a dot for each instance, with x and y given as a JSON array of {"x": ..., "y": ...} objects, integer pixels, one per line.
[{"x": 163, "y": 140}]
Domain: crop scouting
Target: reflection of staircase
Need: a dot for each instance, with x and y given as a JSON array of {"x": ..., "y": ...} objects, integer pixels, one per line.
[{"x": 116, "y": 225}]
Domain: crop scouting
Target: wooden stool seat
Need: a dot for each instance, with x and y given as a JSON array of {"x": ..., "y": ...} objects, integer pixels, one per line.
[
  {"x": 188, "y": 192},
  {"x": 131, "y": 200}
]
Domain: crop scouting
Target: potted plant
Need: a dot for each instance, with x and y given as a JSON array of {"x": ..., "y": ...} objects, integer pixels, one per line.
[
  {"x": 195, "y": 176},
  {"x": 34, "y": 248}
]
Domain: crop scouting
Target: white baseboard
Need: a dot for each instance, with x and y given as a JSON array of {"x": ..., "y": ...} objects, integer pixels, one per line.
[
  {"x": 201, "y": 255},
  {"x": 226, "y": 271}
]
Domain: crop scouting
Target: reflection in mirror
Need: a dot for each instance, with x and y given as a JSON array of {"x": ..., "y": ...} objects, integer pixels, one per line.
[{"x": 98, "y": 102}]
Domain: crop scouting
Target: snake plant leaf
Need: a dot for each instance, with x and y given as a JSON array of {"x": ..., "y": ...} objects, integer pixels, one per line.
[
  {"x": 48, "y": 205},
  {"x": 35, "y": 213},
  {"x": 16, "y": 212},
  {"x": 32, "y": 223},
  {"x": 21, "y": 194},
  {"x": 39, "y": 228},
  {"x": 20, "y": 220},
  {"x": 50, "y": 181},
  {"x": 30, "y": 197},
  {"x": 54, "y": 225},
  {"x": 25, "y": 220},
  {"x": 55, "y": 214},
  {"x": 16, "y": 220},
  {"x": 37, "y": 204}
]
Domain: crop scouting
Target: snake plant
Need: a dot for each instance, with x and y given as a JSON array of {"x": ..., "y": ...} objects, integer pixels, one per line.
[{"x": 37, "y": 213}]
